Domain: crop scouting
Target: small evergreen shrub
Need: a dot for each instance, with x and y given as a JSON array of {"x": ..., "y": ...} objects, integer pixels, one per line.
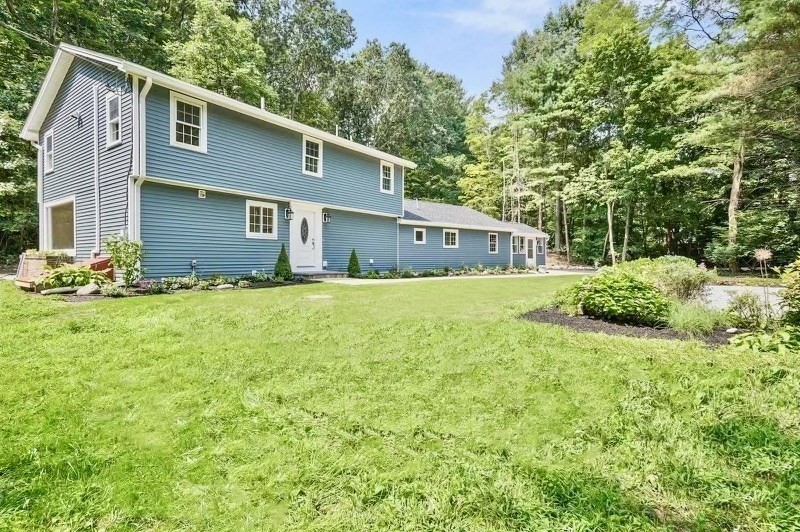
[
  {"x": 353, "y": 266},
  {"x": 618, "y": 297},
  {"x": 283, "y": 267}
]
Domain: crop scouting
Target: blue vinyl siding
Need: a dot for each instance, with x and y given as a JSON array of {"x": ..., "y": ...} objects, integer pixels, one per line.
[
  {"x": 251, "y": 155},
  {"x": 178, "y": 227},
  {"x": 473, "y": 249},
  {"x": 373, "y": 237},
  {"x": 73, "y": 153},
  {"x": 520, "y": 260}
]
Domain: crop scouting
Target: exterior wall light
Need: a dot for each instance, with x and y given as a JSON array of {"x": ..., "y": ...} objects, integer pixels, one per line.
[
  {"x": 288, "y": 213},
  {"x": 326, "y": 217}
]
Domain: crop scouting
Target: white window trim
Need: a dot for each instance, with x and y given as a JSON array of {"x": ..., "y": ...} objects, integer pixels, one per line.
[
  {"x": 174, "y": 98},
  {"x": 303, "y": 158},
  {"x": 520, "y": 243},
  {"x": 48, "y": 220},
  {"x": 262, "y": 236},
  {"x": 380, "y": 183},
  {"x": 540, "y": 246},
  {"x": 110, "y": 143},
  {"x": 444, "y": 240},
  {"x": 424, "y": 235},
  {"x": 49, "y": 134},
  {"x": 496, "y": 243}
]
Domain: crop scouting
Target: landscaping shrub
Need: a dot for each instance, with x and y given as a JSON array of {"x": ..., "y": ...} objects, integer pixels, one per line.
[
  {"x": 618, "y": 297},
  {"x": 790, "y": 295},
  {"x": 151, "y": 287},
  {"x": 72, "y": 275},
  {"x": 180, "y": 283},
  {"x": 677, "y": 277},
  {"x": 353, "y": 266},
  {"x": 696, "y": 319},
  {"x": 243, "y": 284},
  {"x": 126, "y": 255},
  {"x": 204, "y": 285},
  {"x": 283, "y": 267},
  {"x": 748, "y": 311},
  {"x": 111, "y": 290},
  {"x": 781, "y": 341}
]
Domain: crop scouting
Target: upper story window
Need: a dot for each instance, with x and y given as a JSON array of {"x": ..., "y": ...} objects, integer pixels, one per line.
[
  {"x": 188, "y": 122},
  {"x": 450, "y": 238},
  {"x": 48, "y": 151},
  {"x": 312, "y": 156},
  {"x": 419, "y": 235},
  {"x": 492, "y": 243},
  {"x": 113, "y": 120},
  {"x": 387, "y": 177},
  {"x": 261, "y": 220}
]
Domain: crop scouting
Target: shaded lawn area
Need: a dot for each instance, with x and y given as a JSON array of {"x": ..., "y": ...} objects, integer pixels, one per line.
[{"x": 423, "y": 405}]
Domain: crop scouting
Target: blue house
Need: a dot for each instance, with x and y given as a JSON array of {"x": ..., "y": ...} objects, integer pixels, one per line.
[{"x": 212, "y": 185}]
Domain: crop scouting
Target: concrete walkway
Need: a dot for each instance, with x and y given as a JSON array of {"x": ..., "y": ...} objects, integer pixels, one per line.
[
  {"x": 719, "y": 297},
  {"x": 551, "y": 273}
]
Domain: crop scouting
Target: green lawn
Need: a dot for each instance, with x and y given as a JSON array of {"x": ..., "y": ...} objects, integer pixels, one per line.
[{"x": 423, "y": 405}]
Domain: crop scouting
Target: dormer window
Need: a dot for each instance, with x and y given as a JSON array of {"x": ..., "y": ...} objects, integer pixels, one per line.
[
  {"x": 113, "y": 120},
  {"x": 188, "y": 120},
  {"x": 387, "y": 177},
  {"x": 312, "y": 156}
]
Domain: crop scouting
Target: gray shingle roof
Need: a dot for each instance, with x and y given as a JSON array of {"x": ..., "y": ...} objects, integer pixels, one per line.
[{"x": 444, "y": 214}]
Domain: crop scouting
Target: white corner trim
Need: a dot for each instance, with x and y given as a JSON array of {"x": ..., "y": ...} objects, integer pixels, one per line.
[
  {"x": 318, "y": 173},
  {"x": 47, "y": 241},
  {"x": 380, "y": 177},
  {"x": 496, "y": 243},
  {"x": 446, "y": 230},
  {"x": 424, "y": 235},
  {"x": 96, "y": 165},
  {"x": 174, "y": 98},
  {"x": 263, "y": 236}
]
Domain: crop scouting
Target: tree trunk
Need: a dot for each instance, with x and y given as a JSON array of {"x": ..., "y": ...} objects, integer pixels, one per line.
[
  {"x": 733, "y": 204},
  {"x": 566, "y": 232},
  {"x": 626, "y": 239},
  {"x": 541, "y": 207},
  {"x": 557, "y": 235},
  {"x": 610, "y": 215}
]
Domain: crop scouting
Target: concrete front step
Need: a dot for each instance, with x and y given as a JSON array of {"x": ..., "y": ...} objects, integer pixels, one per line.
[{"x": 321, "y": 275}]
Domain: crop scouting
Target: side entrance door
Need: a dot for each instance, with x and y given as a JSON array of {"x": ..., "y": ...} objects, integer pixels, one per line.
[
  {"x": 305, "y": 237},
  {"x": 531, "y": 257}
]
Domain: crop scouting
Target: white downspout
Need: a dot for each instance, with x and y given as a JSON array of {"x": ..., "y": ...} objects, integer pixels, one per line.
[
  {"x": 39, "y": 192},
  {"x": 142, "y": 148},
  {"x": 96, "y": 127}
]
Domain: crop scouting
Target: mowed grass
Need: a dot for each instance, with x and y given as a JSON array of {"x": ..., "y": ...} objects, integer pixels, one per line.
[{"x": 422, "y": 405}]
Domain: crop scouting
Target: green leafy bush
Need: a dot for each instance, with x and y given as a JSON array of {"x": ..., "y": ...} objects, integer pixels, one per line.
[
  {"x": 748, "y": 311},
  {"x": 408, "y": 273},
  {"x": 73, "y": 275},
  {"x": 790, "y": 295},
  {"x": 353, "y": 266},
  {"x": 618, "y": 297},
  {"x": 203, "y": 285},
  {"x": 112, "y": 290},
  {"x": 180, "y": 283},
  {"x": 283, "y": 268},
  {"x": 243, "y": 284},
  {"x": 126, "y": 255},
  {"x": 781, "y": 341},
  {"x": 372, "y": 274},
  {"x": 677, "y": 277},
  {"x": 696, "y": 319}
]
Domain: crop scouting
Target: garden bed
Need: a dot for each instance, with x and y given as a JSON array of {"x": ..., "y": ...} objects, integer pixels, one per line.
[{"x": 580, "y": 323}]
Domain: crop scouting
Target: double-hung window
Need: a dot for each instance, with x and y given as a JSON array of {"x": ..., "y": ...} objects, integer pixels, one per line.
[
  {"x": 48, "y": 151},
  {"x": 517, "y": 245},
  {"x": 450, "y": 238},
  {"x": 387, "y": 177},
  {"x": 261, "y": 220},
  {"x": 493, "y": 243},
  {"x": 188, "y": 123},
  {"x": 540, "y": 246},
  {"x": 419, "y": 235},
  {"x": 113, "y": 120},
  {"x": 312, "y": 156}
]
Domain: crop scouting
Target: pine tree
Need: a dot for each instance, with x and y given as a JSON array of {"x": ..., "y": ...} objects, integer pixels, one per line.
[{"x": 283, "y": 267}]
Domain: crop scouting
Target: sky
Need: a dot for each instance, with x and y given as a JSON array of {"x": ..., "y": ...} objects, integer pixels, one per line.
[{"x": 467, "y": 38}]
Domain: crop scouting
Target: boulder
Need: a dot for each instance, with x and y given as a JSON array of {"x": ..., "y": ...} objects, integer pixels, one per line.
[
  {"x": 222, "y": 287},
  {"x": 732, "y": 330},
  {"x": 89, "y": 289},
  {"x": 62, "y": 290}
]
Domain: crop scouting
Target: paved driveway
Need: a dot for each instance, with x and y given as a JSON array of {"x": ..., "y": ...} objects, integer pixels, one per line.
[{"x": 719, "y": 297}]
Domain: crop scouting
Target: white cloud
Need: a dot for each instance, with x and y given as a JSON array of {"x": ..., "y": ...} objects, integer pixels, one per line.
[{"x": 501, "y": 16}]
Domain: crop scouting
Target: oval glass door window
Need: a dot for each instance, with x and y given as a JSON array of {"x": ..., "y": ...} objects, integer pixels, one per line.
[{"x": 304, "y": 230}]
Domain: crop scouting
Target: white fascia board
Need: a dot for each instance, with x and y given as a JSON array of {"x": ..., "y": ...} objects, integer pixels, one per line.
[
  {"x": 47, "y": 93},
  {"x": 405, "y": 221},
  {"x": 255, "y": 195}
]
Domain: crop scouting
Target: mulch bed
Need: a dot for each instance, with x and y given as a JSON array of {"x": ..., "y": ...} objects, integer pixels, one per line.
[{"x": 587, "y": 324}]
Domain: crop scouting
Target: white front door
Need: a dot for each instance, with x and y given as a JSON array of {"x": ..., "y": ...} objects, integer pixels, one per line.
[
  {"x": 531, "y": 256},
  {"x": 305, "y": 237}
]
